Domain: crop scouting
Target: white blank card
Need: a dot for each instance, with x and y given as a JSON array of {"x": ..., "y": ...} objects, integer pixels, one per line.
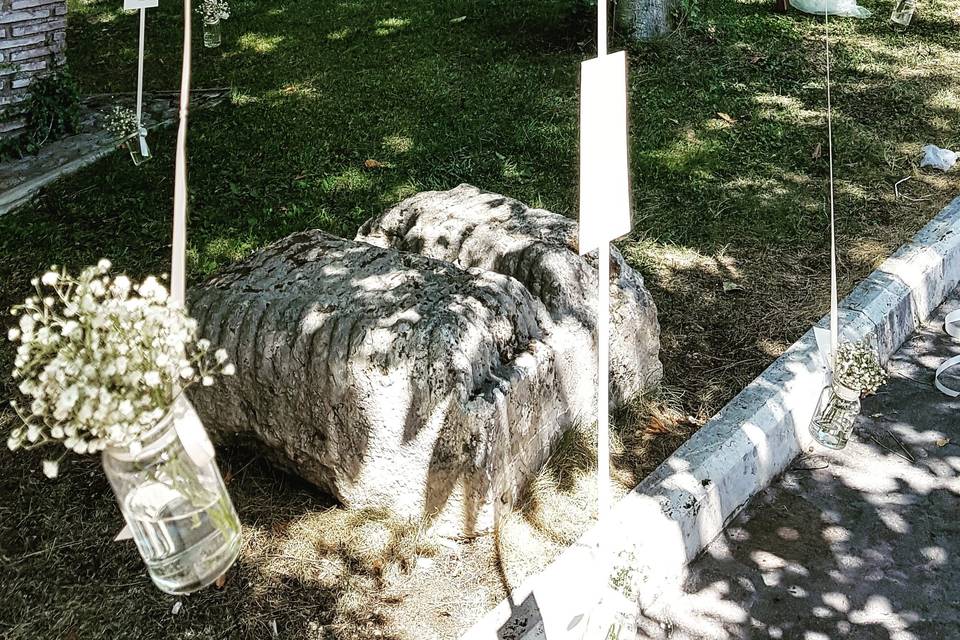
[{"x": 604, "y": 164}]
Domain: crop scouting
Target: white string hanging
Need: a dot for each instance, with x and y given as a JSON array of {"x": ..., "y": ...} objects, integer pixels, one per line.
[{"x": 178, "y": 266}]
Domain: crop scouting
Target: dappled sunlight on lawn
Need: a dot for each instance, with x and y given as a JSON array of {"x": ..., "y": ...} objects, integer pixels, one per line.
[{"x": 258, "y": 42}]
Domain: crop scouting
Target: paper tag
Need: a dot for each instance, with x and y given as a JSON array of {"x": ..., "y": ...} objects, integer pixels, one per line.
[
  {"x": 144, "y": 149},
  {"x": 604, "y": 163},
  {"x": 825, "y": 346},
  {"x": 192, "y": 435},
  {"x": 133, "y": 5}
]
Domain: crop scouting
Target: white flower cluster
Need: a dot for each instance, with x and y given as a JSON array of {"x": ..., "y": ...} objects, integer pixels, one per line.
[
  {"x": 214, "y": 10},
  {"x": 100, "y": 361},
  {"x": 858, "y": 368},
  {"x": 121, "y": 122}
]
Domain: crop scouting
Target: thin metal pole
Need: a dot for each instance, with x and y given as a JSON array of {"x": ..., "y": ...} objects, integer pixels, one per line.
[
  {"x": 603, "y": 331},
  {"x": 143, "y": 29}
]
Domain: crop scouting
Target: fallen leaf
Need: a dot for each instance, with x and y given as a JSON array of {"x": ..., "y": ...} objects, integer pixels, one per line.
[
  {"x": 942, "y": 442},
  {"x": 726, "y": 117},
  {"x": 729, "y": 287},
  {"x": 228, "y": 476},
  {"x": 458, "y": 20},
  {"x": 372, "y": 164},
  {"x": 817, "y": 151},
  {"x": 220, "y": 582}
]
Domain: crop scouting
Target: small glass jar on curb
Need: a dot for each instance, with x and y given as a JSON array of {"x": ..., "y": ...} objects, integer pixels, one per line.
[
  {"x": 179, "y": 511},
  {"x": 835, "y": 416},
  {"x": 211, "y": 34}
]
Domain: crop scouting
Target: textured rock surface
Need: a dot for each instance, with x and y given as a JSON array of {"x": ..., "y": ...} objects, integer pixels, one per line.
[
  {"x": 477, "y": 229},
  {"x": 645, "y": 20},
  {"x": 391, "y": 379}
]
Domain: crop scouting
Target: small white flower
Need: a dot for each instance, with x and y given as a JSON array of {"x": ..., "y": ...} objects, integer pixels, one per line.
[
  {"x": 13, "y": 334},
  {"x": 51, "y": 468},
  {"x": 207, "y": 381},
  {"x": 13, "y": 443},
  {"x": 50, "y": 278},
  {"x": 69, "y": 328},
  {"x": 104, "y": 265},
  {"x": 151, "y": 378},
  {"x": 203, "y": 344},
  {"x": 229, "y": 370},
  {"x": 187, "y": 373},
  {"x": 220, "y": 356}
]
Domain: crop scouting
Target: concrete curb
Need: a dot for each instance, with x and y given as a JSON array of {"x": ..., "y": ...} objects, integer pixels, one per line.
[{"x": 685, "y": 503}]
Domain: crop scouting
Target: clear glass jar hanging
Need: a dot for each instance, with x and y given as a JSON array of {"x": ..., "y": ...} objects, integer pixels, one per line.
[
  {"x": 836, "y": 413},
  {"x": 211, "y": 34},
  {"x": 176, "y": 506},
  {"x": 903, "y": 12},
  {"x": 136, "y": 145}
]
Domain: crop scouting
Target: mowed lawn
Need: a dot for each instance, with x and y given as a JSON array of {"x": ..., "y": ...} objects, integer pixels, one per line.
[{"x": 728, "y": 176}]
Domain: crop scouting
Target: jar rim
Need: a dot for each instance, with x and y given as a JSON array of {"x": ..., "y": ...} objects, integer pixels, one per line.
[
  {"x": 155, "y": 438},
  {"x": 846, "y": 391}
]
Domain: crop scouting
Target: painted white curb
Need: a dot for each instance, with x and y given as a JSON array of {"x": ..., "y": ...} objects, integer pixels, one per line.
[{"x": 684, "y": 504}]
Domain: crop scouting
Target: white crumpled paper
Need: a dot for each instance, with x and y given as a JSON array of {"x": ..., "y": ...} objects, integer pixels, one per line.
[
  {"x": 842, "y": 8},
  {"x": 934, "y": 156}
]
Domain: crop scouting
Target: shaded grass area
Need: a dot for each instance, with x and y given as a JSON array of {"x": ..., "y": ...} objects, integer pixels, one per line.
[{"x": 321, "y": 87}]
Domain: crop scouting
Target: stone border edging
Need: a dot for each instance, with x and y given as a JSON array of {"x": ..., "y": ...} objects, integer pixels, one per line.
[{"x": 663, "y": 524}]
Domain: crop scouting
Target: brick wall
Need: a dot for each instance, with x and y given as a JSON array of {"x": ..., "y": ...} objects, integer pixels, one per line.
[{"x": 32, "y": 43}]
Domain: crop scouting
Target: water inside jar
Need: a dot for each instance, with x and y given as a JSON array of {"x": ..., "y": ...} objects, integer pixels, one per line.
[{"x": 184, "y": 542}]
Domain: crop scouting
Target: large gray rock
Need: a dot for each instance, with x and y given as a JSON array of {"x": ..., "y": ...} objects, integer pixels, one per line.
[
  {"x": 477, "y": 229},
  {"x": 391, "y": 379}
]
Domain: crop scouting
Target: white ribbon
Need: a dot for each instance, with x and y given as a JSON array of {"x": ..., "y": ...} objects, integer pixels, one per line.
[
  {"x": 187, "y": 423},
  {"x": 952, "y": 327}
]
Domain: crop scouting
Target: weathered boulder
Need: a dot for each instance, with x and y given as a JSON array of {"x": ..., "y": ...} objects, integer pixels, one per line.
[
  {"x": 477, "y": 229},
  {"x": 390, "y": 379}
]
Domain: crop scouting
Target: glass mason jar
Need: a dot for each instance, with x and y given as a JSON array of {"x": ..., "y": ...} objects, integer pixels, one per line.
[
  {"x": 176, "y": 505},
  {"x": 836, "y": 414},
  {"x": 136, "y": 145},
  {"x": 211, "y": 34},
  {"x": 903, "y": 12}
]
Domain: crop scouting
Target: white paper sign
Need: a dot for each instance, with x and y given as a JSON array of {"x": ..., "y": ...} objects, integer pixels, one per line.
[
  {"x": 133, "y": 5},
  {"x": 604, "y": 163}
]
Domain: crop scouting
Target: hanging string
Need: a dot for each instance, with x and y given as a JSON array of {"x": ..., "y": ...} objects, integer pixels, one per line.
[
  {"x": 178, "y": 268},
  {"x": 834, "y": 304}
]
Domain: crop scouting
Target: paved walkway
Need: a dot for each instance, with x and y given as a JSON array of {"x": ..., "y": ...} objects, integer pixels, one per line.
[
  {"x": 858, "y": 544},
  {"x": 21, "y": 178}
]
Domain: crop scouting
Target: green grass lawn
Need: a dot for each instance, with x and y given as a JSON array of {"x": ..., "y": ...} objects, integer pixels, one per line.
[{"x": 321, "y": 86}]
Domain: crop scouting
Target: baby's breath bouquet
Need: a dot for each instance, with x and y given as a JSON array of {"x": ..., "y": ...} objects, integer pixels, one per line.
[
  {"x": 101, "y": 360},
  {"x": 857, "y": 367},
  {"x": 102, "y": 364},
  {"x": 121, "y": 122},
  {"x": 213, "y": 10},
  {"x": 856, "y": 372}
]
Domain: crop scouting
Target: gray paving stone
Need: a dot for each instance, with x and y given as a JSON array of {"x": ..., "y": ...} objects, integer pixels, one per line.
[{"x": 862, "y": 543}]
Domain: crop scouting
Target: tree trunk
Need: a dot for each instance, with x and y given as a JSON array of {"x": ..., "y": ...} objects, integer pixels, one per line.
[{"x": 644, "y": 20}]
